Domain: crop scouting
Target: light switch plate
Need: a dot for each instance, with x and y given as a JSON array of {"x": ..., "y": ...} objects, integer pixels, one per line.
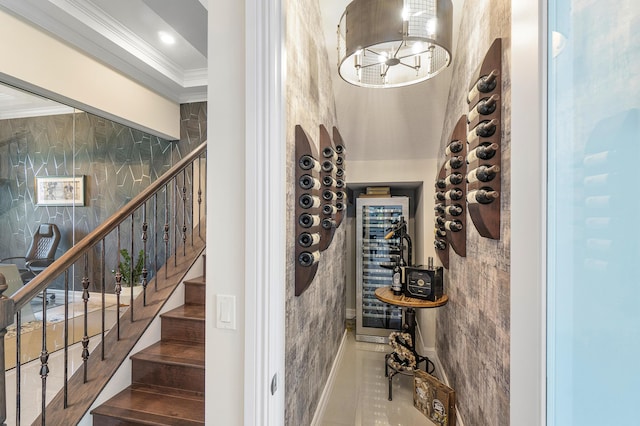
[{"x": 226, "y": 311}]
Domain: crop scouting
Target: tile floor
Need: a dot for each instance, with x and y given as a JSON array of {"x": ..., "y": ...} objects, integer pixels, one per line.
[{"x": 359, "y": 394}]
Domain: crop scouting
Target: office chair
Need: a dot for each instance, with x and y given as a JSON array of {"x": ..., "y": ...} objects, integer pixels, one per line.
[{"x": 41, "y": 253}]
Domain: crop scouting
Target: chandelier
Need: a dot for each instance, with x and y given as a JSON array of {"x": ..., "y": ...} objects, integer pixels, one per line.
[{"x": 394, "y": 43}]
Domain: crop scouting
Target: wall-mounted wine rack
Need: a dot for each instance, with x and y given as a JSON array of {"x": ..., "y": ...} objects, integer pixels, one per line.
[
  {"x": 440, "y": 238},
  {"x": 321, "y": 199},
  {"x": 328, "y": 171},
  {"x": 483, "y": 138},
  {"x": 308, "y": 210},
  {"x": 451, "y": 198},
  {"x": 341, "y": 179}
]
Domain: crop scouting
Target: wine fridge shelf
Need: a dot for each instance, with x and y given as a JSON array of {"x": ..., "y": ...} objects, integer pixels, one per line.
[
  {"x": 484, "y": 131},
  {"x": 321, "y": 200}
]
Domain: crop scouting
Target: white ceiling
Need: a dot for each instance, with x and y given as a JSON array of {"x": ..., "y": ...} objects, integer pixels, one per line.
[{"x": 376, "y": 124}]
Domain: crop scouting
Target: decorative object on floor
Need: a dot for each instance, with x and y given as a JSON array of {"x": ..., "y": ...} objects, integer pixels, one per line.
[
  {"x": 394, "y": 43},
  {"x": 484, "y": 137},
  {"x": 60, "y": 191},
  {"x": 434, "y": 399},
  {"x": 403, "y": 359}
]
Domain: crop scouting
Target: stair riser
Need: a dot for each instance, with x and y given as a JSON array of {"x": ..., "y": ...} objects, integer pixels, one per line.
[
  {"x": 194, "y": 294},
  {"x": 175, "y": 376},
  {"x": 183, "y": 329},
  {"x": 99, "y": 420}
]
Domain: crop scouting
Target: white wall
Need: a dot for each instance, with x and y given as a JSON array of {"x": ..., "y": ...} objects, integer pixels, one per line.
[
  {"x": 528, "y": 202},
  {"x": 32, "y": 60},
  {"x": 400, "y": 171}
]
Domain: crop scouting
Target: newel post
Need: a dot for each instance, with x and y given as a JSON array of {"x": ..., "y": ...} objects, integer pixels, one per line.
[{"x": 6, "y": 318}]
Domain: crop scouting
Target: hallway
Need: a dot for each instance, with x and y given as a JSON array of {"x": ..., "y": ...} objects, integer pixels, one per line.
[{"x": 359, "y": 394}]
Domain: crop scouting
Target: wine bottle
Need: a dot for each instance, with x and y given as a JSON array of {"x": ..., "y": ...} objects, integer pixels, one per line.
[
  {"x": 309, "y": 182},
  {"x": 328, "y": 181},
  {"x": 440, "y": 244},
  {"x": 327, "y": 166},
  {"x": 454, "y": 210},
  {"x": 453, "y": 148},
  {"x": 340, "y": 206},
  {"x": 454, "y": 179},
  {"x": 439, "y": 196},
  {"x": 483, "y": 174},
  {"x": 485, "y": 84},
  {"x": 439, "y": 208},
  {"x": 341, "y": 195},
  {"x": 482, "y": 152},
  {"x": 329, "y": 195},
  {"x": 307, "y": 162},
  {"x": 308, "y": 201},
  {"x": 307, "y": 239},
  {"x": 453, "y": 194},
  {"x": 482, "y": 196},
  {"x": 440, "y": 233},
  {"x": 454, "y": 163},
  {"x": 307, "y": 220},
  {"x": 340, "y": 149},
  {"x": 307, "y": 258},
  {"x": 440, "y": 221},
  {"x": 329, "y": 153},
  {"x": 453, "y": 225},
  {"x": 340, "y": 173},
  {"x": 329, "y": 209},
  {"x": 339, "y": 183},
  {"x": 484, "y": 129},
  {"x": 339, "y": 161},
  {"x": 328, "y": 223},
  {"x": 440, "y": 183},
  {"x": 486, "y": 106}
]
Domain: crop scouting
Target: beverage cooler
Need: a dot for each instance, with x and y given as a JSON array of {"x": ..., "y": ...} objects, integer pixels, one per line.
[{"x": 374, "y": 216}]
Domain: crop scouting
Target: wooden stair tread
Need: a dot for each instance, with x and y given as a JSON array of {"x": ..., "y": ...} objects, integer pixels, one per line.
[
  {"x": 195, "y": 312},
  {"x": 173, "y": 352},
  {"x": 149, "y": 405},
  {"x": 196, "y": 281}
]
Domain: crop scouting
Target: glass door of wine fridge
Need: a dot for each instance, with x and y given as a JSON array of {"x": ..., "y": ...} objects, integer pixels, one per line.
[{"x": 374, "y": 257}]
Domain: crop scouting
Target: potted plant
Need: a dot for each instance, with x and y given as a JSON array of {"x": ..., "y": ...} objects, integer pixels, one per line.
[{"x": 125, "y": 267}]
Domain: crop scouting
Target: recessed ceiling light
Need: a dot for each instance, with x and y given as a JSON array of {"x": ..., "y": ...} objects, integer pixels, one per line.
[{"x": 166, "y": 38}]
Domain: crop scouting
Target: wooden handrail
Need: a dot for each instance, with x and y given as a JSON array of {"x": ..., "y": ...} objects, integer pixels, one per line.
[{"x": 42, "y": 280}]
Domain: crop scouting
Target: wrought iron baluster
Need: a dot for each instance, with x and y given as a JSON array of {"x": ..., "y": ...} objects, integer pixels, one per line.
[
  {"x": 104, "y": 304},
  {"x": 118, "y": 288},
  {"x": 44, "y": 357},
  {"x": 145, "y": 271},
  {"x": 191, "y": 189},
  {"x": 85, "y": 299},
  {"x": 199, "y": 196},
  {"x": 165, "y": 236},
  {"x": 184, "y": 211},
  {"x": 131, "y": 267},
  {"x": 18, "y": 364},
  {"x": 66, "y": 338},
  {"x": 155, "y": 239},
  {"x": 175, "y": 221}
]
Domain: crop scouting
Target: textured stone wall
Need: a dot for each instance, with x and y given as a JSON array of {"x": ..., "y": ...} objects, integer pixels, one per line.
[
  {"x": 314, "y": 320},
  {"x": 473, "y": 330},
  {"x": 117, "y": 162}
]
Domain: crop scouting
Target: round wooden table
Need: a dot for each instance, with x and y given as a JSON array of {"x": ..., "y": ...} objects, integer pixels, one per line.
[{"x": 385, "y": 294}]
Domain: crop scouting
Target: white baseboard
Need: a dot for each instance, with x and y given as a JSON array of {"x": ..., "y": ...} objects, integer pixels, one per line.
[
  {"x": 351, "y": 313},
  {"x": 326, "y": 392},
  {"x": 432, "y": 353}
]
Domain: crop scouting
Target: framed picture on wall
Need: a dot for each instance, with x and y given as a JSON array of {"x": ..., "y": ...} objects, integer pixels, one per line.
[{"x": 60, "y": 191}]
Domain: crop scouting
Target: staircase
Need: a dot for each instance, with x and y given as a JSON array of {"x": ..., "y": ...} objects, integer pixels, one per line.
[{"x": 167, "y": 383}]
